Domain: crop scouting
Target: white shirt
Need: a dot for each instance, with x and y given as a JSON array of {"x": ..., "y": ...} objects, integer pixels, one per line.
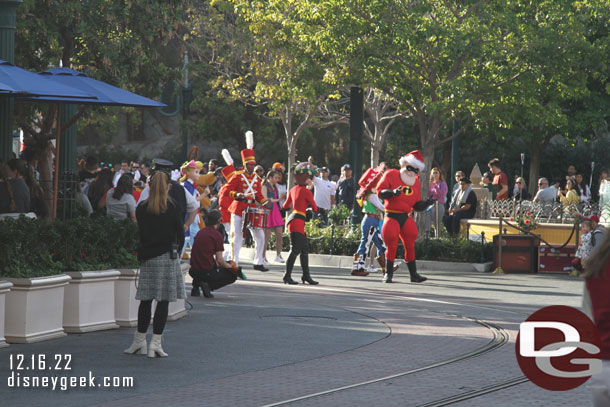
[{"x": 323, "y": 190}]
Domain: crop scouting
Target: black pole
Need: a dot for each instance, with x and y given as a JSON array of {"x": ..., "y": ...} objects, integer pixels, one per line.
[{"x": 356, "y": 116}]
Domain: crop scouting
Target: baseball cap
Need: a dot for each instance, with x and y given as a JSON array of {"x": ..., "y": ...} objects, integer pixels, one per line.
[
  {"x": 324, "y": 169},
  {"x": 346, "y": 167},
  {"x": 277, "y": 165}
]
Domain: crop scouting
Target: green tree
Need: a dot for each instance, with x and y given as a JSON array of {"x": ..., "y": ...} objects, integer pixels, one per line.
[{"x": 128, "y": 43}]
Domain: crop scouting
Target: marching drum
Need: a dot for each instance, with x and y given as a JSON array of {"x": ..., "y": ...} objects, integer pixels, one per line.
[{"x": 258, "y": 218}]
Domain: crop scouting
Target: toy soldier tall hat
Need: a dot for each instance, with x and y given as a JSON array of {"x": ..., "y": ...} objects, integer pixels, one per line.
[
  {"x": 229, "y": 170},
  {"x": 247, "y": 154}
]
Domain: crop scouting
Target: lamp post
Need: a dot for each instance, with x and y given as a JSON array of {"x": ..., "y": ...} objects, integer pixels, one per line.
[
  {"x": 8, "y": 25},
  {"x": 356, "y": 116},
  {"x": 187, "y": 94}
]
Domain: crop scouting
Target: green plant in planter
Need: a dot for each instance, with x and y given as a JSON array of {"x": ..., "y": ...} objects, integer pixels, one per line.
[
  {"x": 35, "y": 248},
  {"x": 25, "y": 248}
]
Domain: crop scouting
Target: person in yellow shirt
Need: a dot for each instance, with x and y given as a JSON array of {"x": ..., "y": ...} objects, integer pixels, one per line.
[{"x": 570, "y": 196}]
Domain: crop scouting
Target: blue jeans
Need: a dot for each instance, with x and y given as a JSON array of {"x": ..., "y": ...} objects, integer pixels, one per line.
[{"x": 370, "y": 233}]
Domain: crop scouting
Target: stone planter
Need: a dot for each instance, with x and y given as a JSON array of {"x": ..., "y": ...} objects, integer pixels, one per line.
[
  {"x": 5, "y": 287},
  {"x": 89, "y": 301},
  {"x": 125, "y": 303},
  {"x": 482, "y": 267},
  {"x": 34, "y": 309},
  {"x": 176, "y": 310}
]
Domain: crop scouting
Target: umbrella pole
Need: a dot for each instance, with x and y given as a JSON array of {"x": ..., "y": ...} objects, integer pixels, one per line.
[{"x": 56, "y": 172}]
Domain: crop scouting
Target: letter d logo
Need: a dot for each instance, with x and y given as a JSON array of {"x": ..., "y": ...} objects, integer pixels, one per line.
[{"x": 558, "y": 348}]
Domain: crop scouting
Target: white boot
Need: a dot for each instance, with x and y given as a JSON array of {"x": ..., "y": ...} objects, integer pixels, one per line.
[
  {"x": 155, "y": 348},
  {"x": 139, "y": 344}
]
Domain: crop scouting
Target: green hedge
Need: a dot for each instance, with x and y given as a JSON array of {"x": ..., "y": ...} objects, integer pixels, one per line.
[
  {"x": 34, "y": 247},
  {"x": 346, "y": 242}
]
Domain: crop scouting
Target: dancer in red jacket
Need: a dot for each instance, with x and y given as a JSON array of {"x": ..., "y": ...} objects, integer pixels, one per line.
[
  {"x": 401, "y": 192},
  {"x": 300, "y": 198}
]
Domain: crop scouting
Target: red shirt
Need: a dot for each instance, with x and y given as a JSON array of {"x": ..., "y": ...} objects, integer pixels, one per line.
[
  {"x": 404, "y": 202},
  {"x": 203, "y": 255},
  {"x": 599, "y": 287},
  {"x": 501, "y": 179},
  {"x": 300, "y": 197}
]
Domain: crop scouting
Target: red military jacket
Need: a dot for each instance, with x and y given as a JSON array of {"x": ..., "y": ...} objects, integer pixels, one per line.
[
  {"x": 224, "y": 202},
  {"x": 250, "y": 186},
  {"x": 404, "y": 202}
]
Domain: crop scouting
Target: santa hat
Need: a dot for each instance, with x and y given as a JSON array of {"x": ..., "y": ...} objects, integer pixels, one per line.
[
  {"x": 414, "y": 159},
  {"x": 247, "y": 154},
  {"x": 229, "y": 170}
]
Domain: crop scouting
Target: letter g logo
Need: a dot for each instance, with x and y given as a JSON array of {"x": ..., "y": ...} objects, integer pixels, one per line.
[{"x": 558, "y": 348}]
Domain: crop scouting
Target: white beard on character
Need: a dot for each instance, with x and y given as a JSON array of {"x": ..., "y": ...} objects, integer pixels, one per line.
[{"x": 407, "y": 177}]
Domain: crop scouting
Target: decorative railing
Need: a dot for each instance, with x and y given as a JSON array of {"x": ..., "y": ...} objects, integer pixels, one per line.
[{"x": 555, "y": 212}]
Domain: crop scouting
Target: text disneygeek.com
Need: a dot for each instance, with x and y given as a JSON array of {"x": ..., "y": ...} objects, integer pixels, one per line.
[{"x": 24, "y": 369}]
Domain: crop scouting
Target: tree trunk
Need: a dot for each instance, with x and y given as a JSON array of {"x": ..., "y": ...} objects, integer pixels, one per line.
[
  {"x": 424, "y": 179},
  {"x": 375, "y": 147},
  {"x": 292, "y": 156},
  {"x": 535, "y": 150}
]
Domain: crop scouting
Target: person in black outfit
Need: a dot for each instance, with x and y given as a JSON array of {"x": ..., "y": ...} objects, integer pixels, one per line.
[
  {"x": 345, "y": 188},
  {"x": 161, "y": 239},
  {"x": 466, "y": 207},
  {"x": 209, "y": 269}
]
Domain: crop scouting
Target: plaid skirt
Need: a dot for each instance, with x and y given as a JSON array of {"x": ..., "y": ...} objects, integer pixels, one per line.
[{"x": 160, "y": 279}]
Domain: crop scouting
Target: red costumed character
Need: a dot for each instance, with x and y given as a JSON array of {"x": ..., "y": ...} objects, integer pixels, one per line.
[
  {"x": 245, "y": 189},
  {"x": 300, "y": 198},
  {"x": 224, "y": 198},
  {"x": 401, "y": 192}
]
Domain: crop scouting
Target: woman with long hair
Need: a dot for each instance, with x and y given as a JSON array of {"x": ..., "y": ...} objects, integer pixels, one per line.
[
  {"x": 161, "y": 230},
  {"x": 597, "y": 305},
  {"x": 275, "y": 221},
  {"x": 120, "y": 203},
  {"x": 437, "y": 190},
  {"x": 21, "y": 193},
  {"x": 571, "y": 196},
  {"x": 98, "y": 188}
]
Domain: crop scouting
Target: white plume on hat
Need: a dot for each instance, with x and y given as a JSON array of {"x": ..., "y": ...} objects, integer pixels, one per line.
[
  {"x": 227, "y": 156},
  {"x": 414, "y": 158},
  {"x": 249, "y": 139}
]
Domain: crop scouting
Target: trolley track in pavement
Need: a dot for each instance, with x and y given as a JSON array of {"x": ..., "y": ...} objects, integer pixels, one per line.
[{"x": 500, "y": 338}]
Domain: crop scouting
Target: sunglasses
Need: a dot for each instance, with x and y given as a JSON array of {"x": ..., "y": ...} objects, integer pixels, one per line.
[
  {"x": 518, "y": 182},
  {"x": 412, "y": 169}
]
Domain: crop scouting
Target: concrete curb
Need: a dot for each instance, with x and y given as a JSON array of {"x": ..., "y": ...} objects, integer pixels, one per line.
[{"x": 345, "y": 262}]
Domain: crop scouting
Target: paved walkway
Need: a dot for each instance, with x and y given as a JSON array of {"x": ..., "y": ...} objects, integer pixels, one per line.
[{"x": 348, "y": 341}]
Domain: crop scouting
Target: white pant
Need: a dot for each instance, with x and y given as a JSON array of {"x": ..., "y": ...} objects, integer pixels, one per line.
[
  {"x": 599, "y": 384},
  {"x": 236, "y": 239},
  {"x": 227, "y": 254}
]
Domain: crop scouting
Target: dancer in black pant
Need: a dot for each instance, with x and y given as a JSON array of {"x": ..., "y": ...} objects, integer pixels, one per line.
[{"x": 300, "y": 198}]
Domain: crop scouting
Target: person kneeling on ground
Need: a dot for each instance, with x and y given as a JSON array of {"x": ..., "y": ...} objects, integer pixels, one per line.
[{"x": 209, "y": 269}]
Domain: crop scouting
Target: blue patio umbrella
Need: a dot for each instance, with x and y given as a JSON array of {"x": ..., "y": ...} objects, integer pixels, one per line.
[
  {"x": 20, "y": 82},
  {"x": 105, "y": 93}
]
